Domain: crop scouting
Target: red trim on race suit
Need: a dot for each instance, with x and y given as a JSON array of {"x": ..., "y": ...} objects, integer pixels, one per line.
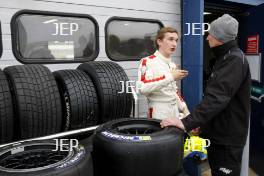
[
  {"x": 152, "y": 56},
  {"x": 151, "y": 80},
  {"x": 181, "y": 98},
  {"x": 143, "y": 76},
  {"x": 144, "y": 62},
  {"x": 150, "y": 112}
]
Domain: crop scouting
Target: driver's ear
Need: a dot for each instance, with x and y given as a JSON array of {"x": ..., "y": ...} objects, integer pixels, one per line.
[{"x": 159, "y": 41}]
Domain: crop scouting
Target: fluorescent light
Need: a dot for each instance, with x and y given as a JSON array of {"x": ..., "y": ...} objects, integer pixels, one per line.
[
  {"x": 50, "y": 21},
  {"x": 207, "y": 13}
]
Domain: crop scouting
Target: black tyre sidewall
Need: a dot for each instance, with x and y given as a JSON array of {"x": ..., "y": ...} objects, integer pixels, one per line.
[
  {"x": 38, "y": 82},
  {"x": 80, "y": 164},
  {"x": 91, "y": 71},
  {"x": 162, "y": 155},
  {"x": 65, "y": 102},
  {"x": 6, "y": 110},
  {"x": 81, "y": 99},
  {"x": 113, "y": 105}
]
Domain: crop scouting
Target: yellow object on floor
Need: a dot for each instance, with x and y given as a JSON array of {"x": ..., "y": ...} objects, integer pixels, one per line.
[{"x": 196, "y": 144}]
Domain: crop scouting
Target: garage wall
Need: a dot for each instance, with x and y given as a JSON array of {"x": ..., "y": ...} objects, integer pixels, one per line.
[{"x": 167, "y": 11}]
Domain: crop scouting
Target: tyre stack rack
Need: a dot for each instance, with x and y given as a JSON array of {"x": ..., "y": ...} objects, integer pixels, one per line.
[
  {"x": 70, "y": 99},
  {"x": 66, "y": 134},
  {"x": 35, "y": 102}
]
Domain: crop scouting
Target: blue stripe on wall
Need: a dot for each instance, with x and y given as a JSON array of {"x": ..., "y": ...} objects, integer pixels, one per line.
[{"x": 192, "y": 53}]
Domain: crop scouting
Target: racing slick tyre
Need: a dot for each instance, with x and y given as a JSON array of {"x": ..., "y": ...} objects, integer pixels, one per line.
[
  {"x": 137, "y": 147},
  {"x": 79, "y": 99},
  {"x": 87, "y": 143},
  {"x": 6, "y": 111},
  {"x": 37, "y": 105},
  {"x": 107, "y": 78},
  {"x": 45, "y": 158}
]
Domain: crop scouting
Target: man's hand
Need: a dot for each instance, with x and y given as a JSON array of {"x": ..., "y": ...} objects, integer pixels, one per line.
[
  {"x": 196, "y": 131},
  {"x": 172, "y": 122},
  {"x": 179, "y": 74}
]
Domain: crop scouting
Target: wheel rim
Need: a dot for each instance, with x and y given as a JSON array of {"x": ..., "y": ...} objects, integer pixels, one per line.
[
  {"x": 135, "y": 127},
  {"x": 33, "y": 157}
]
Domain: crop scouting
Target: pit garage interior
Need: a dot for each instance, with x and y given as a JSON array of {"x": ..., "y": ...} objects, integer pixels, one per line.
[{"x": 199, "y": 61}]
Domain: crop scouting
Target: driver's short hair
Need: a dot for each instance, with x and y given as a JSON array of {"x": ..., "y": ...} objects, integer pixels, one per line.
[{"x": 161, "y": 33}]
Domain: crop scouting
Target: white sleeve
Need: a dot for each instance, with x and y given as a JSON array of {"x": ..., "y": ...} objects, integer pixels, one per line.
[
  {"x": 182, "y": 105},
  {"x": 146, "y": 81}
]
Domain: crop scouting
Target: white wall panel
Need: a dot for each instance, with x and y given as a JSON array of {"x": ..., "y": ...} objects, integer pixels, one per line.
[
  {"x": 167, "y": 11},
  {"x": 138, "y": 5}
]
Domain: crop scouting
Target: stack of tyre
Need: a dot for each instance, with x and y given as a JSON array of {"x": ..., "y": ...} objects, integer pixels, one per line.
[
  {"x": 123, "y": 147},
  {"x": 36, "y": 102}
]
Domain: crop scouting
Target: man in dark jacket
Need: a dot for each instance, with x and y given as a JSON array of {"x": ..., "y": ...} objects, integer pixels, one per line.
[{"x": 223, "y": 114}]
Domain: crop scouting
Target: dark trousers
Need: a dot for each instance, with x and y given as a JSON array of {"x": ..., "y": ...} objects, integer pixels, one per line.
[{"x": 225, "y": 160}]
